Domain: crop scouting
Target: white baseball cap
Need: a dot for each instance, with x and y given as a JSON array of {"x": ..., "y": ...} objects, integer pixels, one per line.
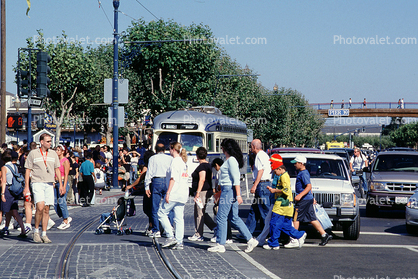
[{"x": 300, "y": 159}]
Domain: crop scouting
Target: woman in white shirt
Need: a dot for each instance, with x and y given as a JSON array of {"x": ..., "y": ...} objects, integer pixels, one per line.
[{"x": 176, "y": 197}]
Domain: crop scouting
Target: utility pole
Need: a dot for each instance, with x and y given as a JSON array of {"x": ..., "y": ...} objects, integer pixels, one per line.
[
  {"x": 3, "y": 113},
  {"x": 115, "y": 102}
]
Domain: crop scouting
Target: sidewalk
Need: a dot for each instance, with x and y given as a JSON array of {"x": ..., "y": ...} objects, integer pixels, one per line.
[{"x": 121, "y": 256}]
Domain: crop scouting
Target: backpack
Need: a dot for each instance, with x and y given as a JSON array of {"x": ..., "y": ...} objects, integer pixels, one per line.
[
  {"x": 18, "y": 182},
  {"x": 130, "y": 207}
]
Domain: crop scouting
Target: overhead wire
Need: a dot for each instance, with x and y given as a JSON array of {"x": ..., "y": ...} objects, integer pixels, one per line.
[
  {"x": 147, "y": 9},
  {"x": 101, "y": 6}
]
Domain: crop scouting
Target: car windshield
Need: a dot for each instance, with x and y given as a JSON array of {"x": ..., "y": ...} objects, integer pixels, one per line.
[
  {"x": 396, "y": 163},
  {"x": 320, "y": 168}
]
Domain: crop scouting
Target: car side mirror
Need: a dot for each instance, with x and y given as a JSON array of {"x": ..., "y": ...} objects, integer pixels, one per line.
[{"x": 366, "y": 169}]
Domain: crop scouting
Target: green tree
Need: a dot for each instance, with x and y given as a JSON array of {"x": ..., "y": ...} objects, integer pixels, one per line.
[
  {"x": 406, "y": 135},
  {"x": 167, "y": 74},
  {"x": 74, "y": 82}
]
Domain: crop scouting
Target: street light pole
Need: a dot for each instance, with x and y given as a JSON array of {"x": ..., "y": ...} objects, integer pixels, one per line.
[{"x": 115, "y": 102}]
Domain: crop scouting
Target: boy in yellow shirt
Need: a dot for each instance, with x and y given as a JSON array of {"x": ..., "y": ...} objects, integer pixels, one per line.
[{"x": 281, "y": 219}]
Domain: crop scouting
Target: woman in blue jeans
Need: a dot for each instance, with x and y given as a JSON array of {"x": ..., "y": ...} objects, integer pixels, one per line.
[
  {"x": 229, "y": 180},
  {"x": 60, "y": 194}
]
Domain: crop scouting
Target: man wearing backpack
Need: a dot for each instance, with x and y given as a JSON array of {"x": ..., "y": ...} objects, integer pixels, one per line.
[{"x": 42, "y": 165}]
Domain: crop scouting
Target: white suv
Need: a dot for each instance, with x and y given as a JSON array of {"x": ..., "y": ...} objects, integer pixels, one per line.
[{"x": 332, "y": 188}]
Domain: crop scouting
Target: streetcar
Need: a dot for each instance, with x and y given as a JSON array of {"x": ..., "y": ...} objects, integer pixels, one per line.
[{"x": 200, "y": 126}]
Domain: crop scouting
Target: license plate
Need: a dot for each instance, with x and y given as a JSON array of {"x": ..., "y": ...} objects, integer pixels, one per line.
[{"x": 401, "y": 200}]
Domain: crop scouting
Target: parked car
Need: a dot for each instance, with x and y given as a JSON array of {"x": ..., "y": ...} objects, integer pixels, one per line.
[
  {"x": 293, "y": 150},
  {"x": 393, "y": 180},
  {"x": 411, "y": 214},
  {"x": 331, "y": 186}
]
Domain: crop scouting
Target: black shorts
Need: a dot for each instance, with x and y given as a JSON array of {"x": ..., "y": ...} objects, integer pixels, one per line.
[{"x": 304, "y": 211}]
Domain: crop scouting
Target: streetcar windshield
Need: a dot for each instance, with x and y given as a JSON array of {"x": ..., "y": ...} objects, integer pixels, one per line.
[
  {"x": 189, "y": 141},
  {"x": 167, "y": 138}
]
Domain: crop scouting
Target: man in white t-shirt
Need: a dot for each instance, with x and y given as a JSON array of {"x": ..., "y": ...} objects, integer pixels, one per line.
[
  {"x": 262, "y": 179},
  {"x": 358, "y": 162}
]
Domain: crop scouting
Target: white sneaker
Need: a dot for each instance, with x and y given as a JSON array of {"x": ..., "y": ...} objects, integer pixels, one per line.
[
  {"x": 69, "y": 219},
  {"x": 213, "y": 239},
  {"x": 195, "y": 237},
  {"x": 302, "y": 240},
  {"x": 294, "y": 243},
  {"x": 155, "y": 234},
  {"x": 28, "y": 228},
  {"x": 64, "y": 226},
  {"x": 217, "y": 248},
  {"x": 228, "y": 241},
  {"x": 51, "y": 223},
  {"x": 2, "y": 225},
  {"x": 251, "y": 244},
  {"x": 268, "y": 247},
  {"x": 169, "y": 242}
]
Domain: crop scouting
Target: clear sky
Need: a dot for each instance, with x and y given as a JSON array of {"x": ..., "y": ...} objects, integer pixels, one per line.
[{"x": 324, "y": 49}]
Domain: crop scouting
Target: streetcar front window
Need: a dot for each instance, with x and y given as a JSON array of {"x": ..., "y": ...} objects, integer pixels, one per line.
[
  {"x": 191, "y": 141},
  {"x": 167, "y": 138}
]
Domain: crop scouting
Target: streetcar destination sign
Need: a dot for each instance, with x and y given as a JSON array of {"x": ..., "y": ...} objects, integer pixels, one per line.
[{"x": 338, "y": 112}]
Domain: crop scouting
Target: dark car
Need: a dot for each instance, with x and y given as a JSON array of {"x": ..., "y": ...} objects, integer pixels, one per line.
[
  {"x": 400, "y": 149},
  {"x": 393, "y": 180},
  {"x": 294, "y": 150}
]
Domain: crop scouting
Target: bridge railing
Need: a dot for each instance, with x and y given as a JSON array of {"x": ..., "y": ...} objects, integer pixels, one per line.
[{"x": 369, "y": 105}]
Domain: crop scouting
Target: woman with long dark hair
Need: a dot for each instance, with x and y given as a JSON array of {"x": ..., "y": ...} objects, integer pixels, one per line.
[{"x": 231, "y": 196}]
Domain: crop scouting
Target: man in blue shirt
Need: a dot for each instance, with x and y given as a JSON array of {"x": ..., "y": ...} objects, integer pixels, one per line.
[
  {"x": 304, "y": 200},
  {"x": 86, "y": 170}
]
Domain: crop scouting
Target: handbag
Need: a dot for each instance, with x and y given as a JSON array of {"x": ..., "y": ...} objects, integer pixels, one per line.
[{"x": 322, "y": 217}]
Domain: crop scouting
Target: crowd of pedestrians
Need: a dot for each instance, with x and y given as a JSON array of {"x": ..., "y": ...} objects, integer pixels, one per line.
[
  {"x": 58, "y": 176},
  {"x": 64, "y": 176}
]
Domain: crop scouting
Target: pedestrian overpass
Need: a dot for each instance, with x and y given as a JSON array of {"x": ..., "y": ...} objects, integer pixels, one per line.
[{"x": 372, "y": 109}]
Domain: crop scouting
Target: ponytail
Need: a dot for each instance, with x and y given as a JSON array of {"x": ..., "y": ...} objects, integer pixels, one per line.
[{"x": 181, "y": 151}]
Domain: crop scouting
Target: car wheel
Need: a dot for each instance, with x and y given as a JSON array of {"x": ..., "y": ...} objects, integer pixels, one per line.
[{"x": 351, "y": 231}]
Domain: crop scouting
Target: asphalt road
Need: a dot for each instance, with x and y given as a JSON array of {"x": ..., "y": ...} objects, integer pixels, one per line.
[{"x": 383, "y": 250}]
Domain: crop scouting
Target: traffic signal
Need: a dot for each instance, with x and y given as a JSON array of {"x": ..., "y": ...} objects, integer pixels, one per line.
[
  {"x": 24, "y": 82},
  {"x": 42, "y": 69},
  {"x": 14, "y": 121}
]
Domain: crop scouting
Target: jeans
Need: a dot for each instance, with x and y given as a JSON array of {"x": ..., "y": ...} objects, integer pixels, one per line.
[
  {"x": 134, "y": 173},
  {"x": 178, "y": 209},
  {"x": 228, "y": 209},
  {"x": 260, "y": 207},
  {"x": 363, "y": 180},
  {"x": 104, "y": 216},
  {"x": 60, "y": 202},
  {"x": 158, "y": 189},
  {"x": 263, "y": 235}
]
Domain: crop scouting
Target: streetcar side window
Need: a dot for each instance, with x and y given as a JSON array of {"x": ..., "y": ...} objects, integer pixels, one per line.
[
  {"x": 209, "y": 142},
  {"x": 217, "y": 145}
]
